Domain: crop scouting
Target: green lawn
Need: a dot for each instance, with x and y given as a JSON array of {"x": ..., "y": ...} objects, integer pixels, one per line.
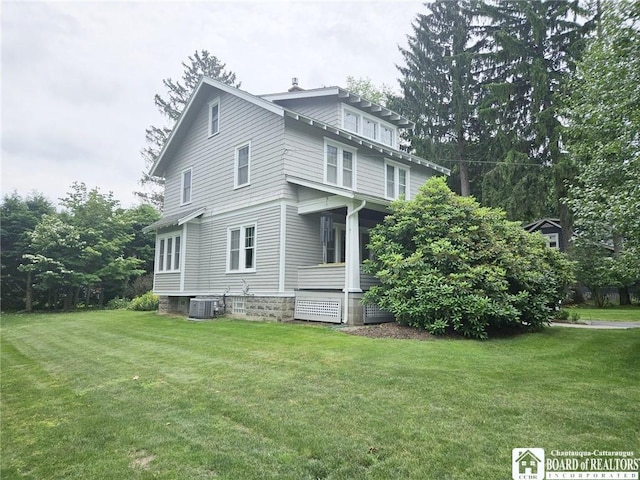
[
  {"x": 127, "y": 395},
  {"x": 609, "y": 314}
]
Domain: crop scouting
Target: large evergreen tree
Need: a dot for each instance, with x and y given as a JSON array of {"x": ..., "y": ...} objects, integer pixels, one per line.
[
  {"x": 531, "y": 50},
  {"x": 439, "y": 86},
  {"x": 171, "y": 106}
]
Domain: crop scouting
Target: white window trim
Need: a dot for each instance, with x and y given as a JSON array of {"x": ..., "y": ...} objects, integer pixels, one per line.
[
  {"x": 172, "y": 268},
  {"x": 235, "y": 166},
  {"x": 381, "y": 123},
  {"x": 341, "y": 148},
  {"x": 212, "y": 103},
  {"x": 182, "y": 201},
  {"x": 552, "y": 237},
  {"x": 396, "y": 184},
  {"x": 242, "y": 257}
]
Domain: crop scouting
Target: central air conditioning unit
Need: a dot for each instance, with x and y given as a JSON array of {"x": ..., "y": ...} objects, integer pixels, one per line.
[{"x": 201, "y": 308}]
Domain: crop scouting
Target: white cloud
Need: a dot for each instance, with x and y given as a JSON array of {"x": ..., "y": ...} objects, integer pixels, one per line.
[{"x": 79, "y": 78}]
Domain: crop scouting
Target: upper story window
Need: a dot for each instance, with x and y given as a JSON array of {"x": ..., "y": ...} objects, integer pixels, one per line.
[
  {"x": 214, "y": 116},
  {"x": 242, "y": 165},
  {"x": 351, "y": 121},
  {"x": 368, "y": 126},
  {"x": 187, "y": 176},
  {"x": 241, "y": 251},
  {"x": 339, "y": 164},
  {"x": 396, "y": 180},
  {"x": 168, "y": 253}
]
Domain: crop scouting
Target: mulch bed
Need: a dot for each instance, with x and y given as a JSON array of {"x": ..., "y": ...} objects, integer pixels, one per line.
[{"x": 388, "y": 330}]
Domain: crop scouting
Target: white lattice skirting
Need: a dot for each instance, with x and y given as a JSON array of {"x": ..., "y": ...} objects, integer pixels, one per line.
[
  {"x": 319, "y": 309},
  {"x": 373, "y": 314}
]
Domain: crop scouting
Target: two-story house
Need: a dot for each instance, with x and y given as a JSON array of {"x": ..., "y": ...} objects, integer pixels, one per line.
[{"x": 269, "y": 199}]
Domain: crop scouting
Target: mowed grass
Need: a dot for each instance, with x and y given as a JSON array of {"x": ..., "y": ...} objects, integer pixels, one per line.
[
  {"x": 128, "y": 395},
  {"x": 615, "y": 313}
]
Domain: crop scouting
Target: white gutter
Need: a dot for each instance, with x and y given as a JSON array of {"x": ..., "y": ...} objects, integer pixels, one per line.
[{"x": 345, "y": 315}]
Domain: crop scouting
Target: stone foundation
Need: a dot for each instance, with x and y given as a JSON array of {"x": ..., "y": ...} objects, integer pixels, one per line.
[
  {"x": 263, "y": 308},
  {"x": 174, "y": 305},
  {"x": 260, "y": 308}
]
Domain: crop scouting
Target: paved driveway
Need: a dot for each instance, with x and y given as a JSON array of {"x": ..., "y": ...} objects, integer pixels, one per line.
[{"x": 598, "y": 324}]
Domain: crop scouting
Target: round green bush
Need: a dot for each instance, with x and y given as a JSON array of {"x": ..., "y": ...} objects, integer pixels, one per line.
[
  {"x": 449, "y": 265},
  {"x": 145, "y": 302}
]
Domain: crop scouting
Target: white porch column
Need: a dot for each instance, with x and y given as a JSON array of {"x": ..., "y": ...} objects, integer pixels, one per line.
[{"x": 352, "y": 250}]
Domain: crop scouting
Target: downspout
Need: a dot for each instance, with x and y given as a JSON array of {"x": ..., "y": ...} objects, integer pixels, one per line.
[{"x": 345, "y": 315}]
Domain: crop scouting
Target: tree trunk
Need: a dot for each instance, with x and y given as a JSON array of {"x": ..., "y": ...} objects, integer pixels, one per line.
[
  {"x": 625, "y": 298},
  {"x": 465, "y": 189},
  {"x": 29, "y": 294},
  {"x": 68, "y": 299},
  {"x": 566, "y": 222}
]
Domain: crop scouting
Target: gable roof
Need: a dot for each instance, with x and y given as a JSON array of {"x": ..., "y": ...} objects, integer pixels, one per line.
[
  {"x": 349, "y": 98},
  {"x": 189, "y": 112},
  {"x": 543, "y": 222},
  {"x": 206, "y": 83}
]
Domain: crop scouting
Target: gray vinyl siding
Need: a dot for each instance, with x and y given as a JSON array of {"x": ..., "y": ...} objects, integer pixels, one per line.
[
  {"x": 303, "y": 245},
  {"x": 164, "y": 283},
  {"x": 213, "y": 158},
  {"x": 325, "y": 109},
  {"x": 191, "y": 257},
  {"x": 212, "y": 275},
  {"x": 304, "y": 159},
  {"x": 304, "y": 156}
]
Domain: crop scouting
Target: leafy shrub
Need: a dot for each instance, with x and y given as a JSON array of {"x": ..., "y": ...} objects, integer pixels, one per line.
[
  {"x": 145, "y": 302},
  {"x": 446, "y": 264},
  {"x": 118, "y": 304}
]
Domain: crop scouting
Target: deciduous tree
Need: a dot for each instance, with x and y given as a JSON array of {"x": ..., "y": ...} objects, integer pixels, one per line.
[
  {"x": 603, "y": 138},
  {"x": 18, "y": 217}
]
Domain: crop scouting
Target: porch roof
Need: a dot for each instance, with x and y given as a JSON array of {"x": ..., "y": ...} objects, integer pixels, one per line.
[
  {"x": 176, "y": 219},
  {"x": 338, "y": 197}
]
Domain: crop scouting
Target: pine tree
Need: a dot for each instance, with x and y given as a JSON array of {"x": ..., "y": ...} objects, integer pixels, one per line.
[
  {"x": 178, "y": 94},
  {"x": 532, "y": 47},
  {"x": 439, "y": 86}
]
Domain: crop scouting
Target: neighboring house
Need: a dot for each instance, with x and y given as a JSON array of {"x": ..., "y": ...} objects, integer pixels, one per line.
[
  {"x": 550, "y": 229},
  {"x": 269, "y": 199}
]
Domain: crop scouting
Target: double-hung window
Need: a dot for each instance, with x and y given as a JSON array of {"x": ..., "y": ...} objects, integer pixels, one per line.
[
  {"x": 396, "y": 180},
  {"x": 168, "y": 256},
  {"x": 552, "y": 240},
  {"x": 242, "y": 165},
  {"x": 241, "y": 252},
  {"x": 187, "y": 176},
  {"x": 214, "y": 117},
  {"x": 340, "y": 163}
]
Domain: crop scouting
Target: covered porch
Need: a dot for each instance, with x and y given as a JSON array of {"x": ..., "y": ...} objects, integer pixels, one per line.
[{"x": 331, "y": 290}]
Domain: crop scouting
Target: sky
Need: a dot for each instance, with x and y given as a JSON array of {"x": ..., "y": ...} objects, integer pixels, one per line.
[{"x": 78, "y": 78}]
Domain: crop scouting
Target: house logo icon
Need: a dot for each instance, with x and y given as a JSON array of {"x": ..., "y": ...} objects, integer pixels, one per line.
[{"x": 527, "y": 463}]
